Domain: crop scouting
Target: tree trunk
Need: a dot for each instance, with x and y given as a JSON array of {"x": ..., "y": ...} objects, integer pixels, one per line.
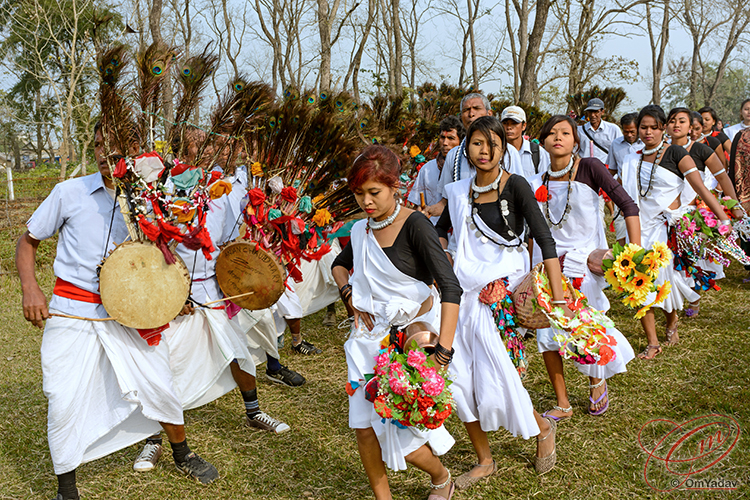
[
  {"x": 737, "y": 29},
  {"x": 657, "y": 56},
  {"x": 473, "y": 46},
  {"x": 356, "y": 63},
  {"x": 38, "y": 125},
  {"x": 324, "y": 29},
  {"x": 398, "y": 90},
  {"x": 528, "y": 78}
]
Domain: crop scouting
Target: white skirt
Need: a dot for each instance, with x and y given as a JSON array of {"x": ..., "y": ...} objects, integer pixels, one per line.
[
  {"x": 486, "y": 385},
  {"x": 107, "y": 389},
  {"x": 395, "y": 442},
  {"x": 201, "y": 346},
  {"x": 682, "y": 286},
  {"x": 260, "y": 334}
]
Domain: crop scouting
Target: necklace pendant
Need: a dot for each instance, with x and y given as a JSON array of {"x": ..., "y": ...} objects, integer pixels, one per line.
[
  {"x": 476, "y": 195},
  {"x": 483, "y": 239},
  {"x": 479, "y": 234}
]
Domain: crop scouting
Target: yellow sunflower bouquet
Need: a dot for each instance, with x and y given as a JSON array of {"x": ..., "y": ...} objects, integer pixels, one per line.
[{"x": 632, "y": 272}]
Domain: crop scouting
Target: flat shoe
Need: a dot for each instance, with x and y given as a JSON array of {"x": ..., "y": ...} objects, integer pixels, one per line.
[
  {"x": 557, "y": 419},
  {"x": 465, "y": 481}
]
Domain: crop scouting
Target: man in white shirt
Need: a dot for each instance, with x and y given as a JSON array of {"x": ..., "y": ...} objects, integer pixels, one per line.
[
  {"x": 627, "y": 143},
  {"x": 473, "y": 106},
  {"x": 596, "y": 135},
  {"x": 534, "y": 158},
  {"x": 451, "y": 134}
]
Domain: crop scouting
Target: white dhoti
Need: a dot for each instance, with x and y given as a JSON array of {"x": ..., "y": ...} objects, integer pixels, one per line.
[
  {"x": 318, "y": 288},
  {"x": 260, "y": 334},
  {"x": 106, "y": 387}
]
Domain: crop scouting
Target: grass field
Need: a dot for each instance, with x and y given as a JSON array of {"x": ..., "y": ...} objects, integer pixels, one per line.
[{"x": 598, "y": 457}]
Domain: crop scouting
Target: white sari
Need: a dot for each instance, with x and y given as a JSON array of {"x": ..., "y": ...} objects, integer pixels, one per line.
[
  {"x": 487, "y": 387},
  {"x": 655, "y": 216},
  {"x": 391, "y": 298},
  {"x": 576, "y": 238}
]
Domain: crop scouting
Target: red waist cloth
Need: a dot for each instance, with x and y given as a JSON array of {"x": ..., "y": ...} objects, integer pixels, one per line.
[{"x": 68, "y": 290}]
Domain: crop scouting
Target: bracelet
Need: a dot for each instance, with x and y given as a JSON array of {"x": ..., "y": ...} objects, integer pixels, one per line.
[
  {"x": 443, "y": 355},
  {"x": 725, "y": 223},
  {"x": 561, "y": 302},
  {"x": 345, "y": 292},
  {"x": 722, "y": 171}
]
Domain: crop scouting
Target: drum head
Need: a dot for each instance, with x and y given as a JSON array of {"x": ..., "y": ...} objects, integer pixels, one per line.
[
  {"x": 242, "y": 267},
  {"x": 138, "y": 287}
]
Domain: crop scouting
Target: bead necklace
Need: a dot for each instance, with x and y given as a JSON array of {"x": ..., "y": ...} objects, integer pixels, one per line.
[
  {"x": 560, "y": 173},
  {"x": 653, "y": 169},
  {"x": 485, "y": 189},
  {"x": 476, "y": 209},
  {"x": 689, "y": 142},
  {"x": 566, "y": 212},
  {"x": 375, "y": 225}
]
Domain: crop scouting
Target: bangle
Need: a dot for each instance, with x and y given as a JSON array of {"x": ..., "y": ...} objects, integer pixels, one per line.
[
  {"x": 346, "y": 292},
  {"x": 561, "y": 302},
  {"x": 443, "y": 355}
]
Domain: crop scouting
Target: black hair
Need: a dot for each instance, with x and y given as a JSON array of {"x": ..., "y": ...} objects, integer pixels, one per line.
[
  {"x": 546, "y": 130},
  {"x": 696, "y": 116},
  {"x": 654, "y": 112},
  {"x": 628, "y": 119},
  {"x": 452, "y": 122},
  {"x": 488, "y": 125},
  {"x": 742, "y": 106},
  {"x": 676, "y": 111},
  {"x": 712, "y": 112}
]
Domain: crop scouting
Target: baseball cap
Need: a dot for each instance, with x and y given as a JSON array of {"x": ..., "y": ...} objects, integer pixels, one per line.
[
  {"x": 595, "y": 105},
  {"x": 515, "y": 113}
]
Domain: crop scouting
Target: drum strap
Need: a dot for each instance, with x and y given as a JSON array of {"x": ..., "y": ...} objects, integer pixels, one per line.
[{"x": 68, "y": 290}]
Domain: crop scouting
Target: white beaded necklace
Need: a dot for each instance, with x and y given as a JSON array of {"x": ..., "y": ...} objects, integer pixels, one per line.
[
  {"x": 647, "y": 152},
  {"x": 559, "y": 173},
  {"x": 477, "y": 190},
  {"x": 689, "y": 142},
  {"x": 375, "y": 225}
]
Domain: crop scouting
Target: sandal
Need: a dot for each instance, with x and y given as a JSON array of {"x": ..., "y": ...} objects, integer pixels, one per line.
[
  {"x": 604, "y": 408},
  {"x": 465, "y": 481},
  {"x": 452, "y": 489},
  {"x": 557, "y": 419},
  {"x": 545, "y": 464},
  {"x": 693, "y": 309},
  {"x": 644, "y": 355},
  {"x": 305, "y": 347},
  {"x": 670, "y": 333}
]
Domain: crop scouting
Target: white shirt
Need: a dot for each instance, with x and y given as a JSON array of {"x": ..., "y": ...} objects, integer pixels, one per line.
[
  {"x": 427, "y": 183},
  {"x": 511, "y": 163},
  {"x": 527, "y": 160},
  {"x": 734, "y": 130},
  {"x": 81, "y": 210},
  {"x": 604, "y": 135},
  {"x": 618, "y": 150}
]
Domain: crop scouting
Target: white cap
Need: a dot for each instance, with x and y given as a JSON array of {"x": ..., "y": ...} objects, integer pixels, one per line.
[{"x": 515, "y": 113}]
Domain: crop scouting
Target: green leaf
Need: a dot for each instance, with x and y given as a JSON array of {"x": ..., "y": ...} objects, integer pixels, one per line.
[{"x": 607, "y": 263}]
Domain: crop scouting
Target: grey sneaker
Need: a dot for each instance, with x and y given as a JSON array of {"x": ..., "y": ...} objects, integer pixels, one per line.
[
  {"x": 148, "y": 457},
  {"x": 197, "y": 468},
  {"x": 329, "y": 319},
  {"x": 285, "y": 376},
  {"x": 265, "y": 422}
]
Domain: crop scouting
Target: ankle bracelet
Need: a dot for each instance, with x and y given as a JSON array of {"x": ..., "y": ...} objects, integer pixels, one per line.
[{"x": 441, "y": 485}]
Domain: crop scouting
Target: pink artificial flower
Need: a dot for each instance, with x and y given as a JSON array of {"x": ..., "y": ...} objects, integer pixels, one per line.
[
  {"x": 382, "y": 360},
  {"x": 416, "y": 358},
  {"x": 434, "y": 386},
  {"x": 428, "y": 373},
  {"x": 398, "y": 386},
  {"x": 724, "y": 229},
  {"x": 711, "y": 222}
]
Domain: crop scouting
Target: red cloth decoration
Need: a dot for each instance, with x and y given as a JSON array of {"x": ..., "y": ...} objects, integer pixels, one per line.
[
  {"x": 70, "y": 291},
  {"x": 152, "y": 335},
  {"x": 289, "y": 194},
  {"x": 150, "y": 229},
  {"x": 257, "y": 197},
  {"x": 604, "y": 195},
  {"x": 179, "y": 168},
  {"x": 199, "y": 239},
  {"x": 168, "y": 255},
  {"x": 120, "y": 168},
  {"x": 170, "y": 232},
  {"x": 542, "y": 194},
  {"x": 215, "y": 176}
]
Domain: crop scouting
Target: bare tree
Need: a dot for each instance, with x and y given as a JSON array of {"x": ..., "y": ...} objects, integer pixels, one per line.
[
  {"x": 525, "y": 50},
  {"x": 658, "y": 43},
  {"x": 326, "y": 14},
  {"x": 411, "y": 21},
  {"x": 358, "y": 49},
  {"x": 467, "y": 19},
  {"x": 739, "y": 14}
]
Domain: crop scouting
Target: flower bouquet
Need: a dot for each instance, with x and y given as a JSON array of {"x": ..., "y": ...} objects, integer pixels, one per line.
[
  {"x": 411, "y": 390},
  {"x": 582, "y": 338},
  {"x": 699, "y": 235},
  {"x": 632, "y": 272}
]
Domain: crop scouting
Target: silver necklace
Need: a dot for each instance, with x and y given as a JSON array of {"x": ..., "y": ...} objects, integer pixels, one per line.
[
  {"x": 647, "y": 152},
  {"x": 375, "y": 225},
  {"x": 687, "y": 146},
  {"x": 559, "y": 173},
  {"x": 477, "y": 190}
]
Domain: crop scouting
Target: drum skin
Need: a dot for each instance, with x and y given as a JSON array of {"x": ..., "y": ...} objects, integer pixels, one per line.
[
  {"x": 242, "y": 267},
  {"x": 139, "y": 289}
]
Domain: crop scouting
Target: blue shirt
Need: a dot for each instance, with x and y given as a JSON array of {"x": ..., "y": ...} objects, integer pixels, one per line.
[{"x": 81, "y": 210}]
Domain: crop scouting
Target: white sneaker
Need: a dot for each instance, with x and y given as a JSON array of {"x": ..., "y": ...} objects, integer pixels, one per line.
[
  {"x": 266, "y": 422},
  {"x": 146, "y": 461}
]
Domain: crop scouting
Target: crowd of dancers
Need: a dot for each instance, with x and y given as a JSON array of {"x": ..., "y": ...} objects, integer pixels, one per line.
[{"x": 479, "y": 216}]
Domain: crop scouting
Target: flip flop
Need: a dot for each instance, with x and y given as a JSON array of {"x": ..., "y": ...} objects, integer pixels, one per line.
[
  {"x": 546, "y": 414},
  {"x": 604, "y": 408}
]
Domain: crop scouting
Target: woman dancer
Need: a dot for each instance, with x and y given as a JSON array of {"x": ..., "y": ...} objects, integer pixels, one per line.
[
  {"x": 573, "y": 186},
  {"x": 697, "y": 135},
  {"x": 396, "y": 255},
  {"x": 744, "y": 121},
  {"x": 710, "y": 119},
  {"x": 487, "y": 213},
  {"x": 655, "y": 180}
]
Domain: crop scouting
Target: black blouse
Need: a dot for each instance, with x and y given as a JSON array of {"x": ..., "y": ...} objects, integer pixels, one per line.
[
  {"x": 671, "y": 158},
  {"x": 522, "y": 206},
  {"x": 700, "y": 153},
  {"x": 712, "y": 142},
  {"x": 594, "y": 173},
  {"x": 416, "y": 252}
]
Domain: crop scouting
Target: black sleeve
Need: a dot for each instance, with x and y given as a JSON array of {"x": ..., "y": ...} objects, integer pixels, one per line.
[
  {"x": 344, "y": 259},
  {"x": 444, "y": 224},
  {"x": 700, "y": 154},
  {"x": 713, "y": 142},
  {"x": 722, "y": 137},
  {"x": 672, "y": 158},
  {"x": 593, "y": 173},
  {"x": 525, "y": 201},
  {"x": 424, "y": 240}
]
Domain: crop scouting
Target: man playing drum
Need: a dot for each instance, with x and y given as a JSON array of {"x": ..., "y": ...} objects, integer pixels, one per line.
[{"x": 107, "y": 387}]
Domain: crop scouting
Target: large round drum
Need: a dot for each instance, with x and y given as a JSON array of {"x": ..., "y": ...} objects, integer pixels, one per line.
[
  {"x": 242, "y": 267},
  {"x": 139, "y": 289}
]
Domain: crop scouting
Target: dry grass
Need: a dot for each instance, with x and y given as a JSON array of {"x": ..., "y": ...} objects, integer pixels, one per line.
[{"x": 597, "y": 457}]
